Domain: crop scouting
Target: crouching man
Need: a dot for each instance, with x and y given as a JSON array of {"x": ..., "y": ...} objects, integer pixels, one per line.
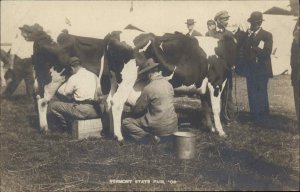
[
  {"x": 76, "y": 96},
  {"x": 154, "y": 113}
]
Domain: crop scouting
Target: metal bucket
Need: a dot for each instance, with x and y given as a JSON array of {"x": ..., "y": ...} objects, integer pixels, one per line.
[{"x": 184, "y": 143}]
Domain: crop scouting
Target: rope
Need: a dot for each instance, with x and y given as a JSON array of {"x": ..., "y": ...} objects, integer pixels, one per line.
[{"x": 226, "y": 103}]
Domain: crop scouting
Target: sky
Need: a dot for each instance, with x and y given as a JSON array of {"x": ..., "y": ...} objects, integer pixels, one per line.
[{"x": 98, "y": 18}]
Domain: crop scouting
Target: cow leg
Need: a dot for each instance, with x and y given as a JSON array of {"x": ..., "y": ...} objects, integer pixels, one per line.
[
  {"x": 49, "y": 91},
  {"x": 42, "y": 106},
  {"x": 204, "y": 97},
  {"x": 216, "y": 108},
  {"x": 207, "y": 111},
  {"x": 129, "y": 74}
]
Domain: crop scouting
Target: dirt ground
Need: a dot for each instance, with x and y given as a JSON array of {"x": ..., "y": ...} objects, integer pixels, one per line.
[{"x": 252, "y": 157}]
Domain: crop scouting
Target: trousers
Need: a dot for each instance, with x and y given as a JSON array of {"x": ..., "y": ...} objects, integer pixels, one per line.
[
  {"x": 22, "y": 70},
  {"x": 65, "y": 112},
  {"x": 257, "y": 87},
  {"x": 227, "y": 109},
  {"x": 134, "y": 128}
]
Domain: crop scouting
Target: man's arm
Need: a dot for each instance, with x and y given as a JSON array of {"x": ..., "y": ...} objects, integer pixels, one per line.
[
  {"x": 141, "y": 104},
  {"x": 67, "y": 89}
]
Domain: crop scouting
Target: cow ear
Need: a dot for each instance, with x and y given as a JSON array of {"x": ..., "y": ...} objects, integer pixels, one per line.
[{"x": 8, "y": 52}]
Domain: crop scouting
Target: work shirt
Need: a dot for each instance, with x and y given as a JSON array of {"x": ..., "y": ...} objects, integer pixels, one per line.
[
  {"x": 80, "y": 86},
  {"x": 21, "y": 47},
  {"x": 157, "y": 104}
]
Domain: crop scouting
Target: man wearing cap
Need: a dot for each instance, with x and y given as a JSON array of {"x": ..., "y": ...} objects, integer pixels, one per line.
[
  {"x": 221, "y": 19},
  {"x": 77, "y": 96},
  {"x": 154, "y": 113},
  {"x": 211, "y": 26},
  {"x": 257, "y": 53},
  {"x": 20, "y": 63},
  {"x": 295, "y": 64},
  {"x": 190, "y": 23}
]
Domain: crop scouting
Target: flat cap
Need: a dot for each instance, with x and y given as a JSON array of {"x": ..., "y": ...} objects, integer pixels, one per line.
[{"x": 221, "y": 14}]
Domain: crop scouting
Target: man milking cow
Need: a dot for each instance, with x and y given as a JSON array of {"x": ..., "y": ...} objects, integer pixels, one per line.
[
  {"x": 76, "y": 96},
  {"x": 154, "y": 113}
]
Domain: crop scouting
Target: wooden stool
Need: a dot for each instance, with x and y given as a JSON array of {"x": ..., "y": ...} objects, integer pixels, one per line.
[{"x": 82, "y": 129}]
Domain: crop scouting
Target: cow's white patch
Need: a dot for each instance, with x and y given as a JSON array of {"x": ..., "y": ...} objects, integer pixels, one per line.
[
  {"x": 49, "y": 91},
  {"x": 145, "y": 48},
  {"x": 118, "y": 99},
  {"x": 208, "y": 44},
  {"x": 161, "y": 47},
  {"x": 171, "y": 76},
  {"x": 42, "y": 106},
  {"x": 203, "y": 87},
  {"x": 128, "y": 36},
  {"x": 216, "y": 108}
]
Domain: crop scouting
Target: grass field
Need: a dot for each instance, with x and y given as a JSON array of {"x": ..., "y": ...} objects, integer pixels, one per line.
[{"x": 252, "y": 157}]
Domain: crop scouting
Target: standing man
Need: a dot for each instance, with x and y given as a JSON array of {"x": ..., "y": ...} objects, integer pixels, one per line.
[
  {"x": 221, "y": 19},
  {"x": 190, "y": 23},
  {"x": 257, "y": 54},
  {"x": 77, "y": 96},
  {"x": 154, "y": 110},
  {"x": 295, "y": 64},
  {"x": 21, "y": 63}
]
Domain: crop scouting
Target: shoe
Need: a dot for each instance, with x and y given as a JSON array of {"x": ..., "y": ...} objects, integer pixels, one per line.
[{"x": 154, "y": 140}]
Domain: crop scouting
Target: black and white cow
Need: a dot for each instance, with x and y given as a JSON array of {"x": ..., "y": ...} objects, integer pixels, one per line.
[
  {"x": 50, "y": 61},
  {"x": 201, "y": 63}
]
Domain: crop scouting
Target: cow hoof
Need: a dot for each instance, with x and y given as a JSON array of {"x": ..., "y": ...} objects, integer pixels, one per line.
[
  {"x": 121, "y": 143},
  {"x": 223, "y": 135},
  {"x": 213, "y": 129}
]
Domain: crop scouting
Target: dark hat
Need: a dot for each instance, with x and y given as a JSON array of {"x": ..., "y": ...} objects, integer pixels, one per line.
[
  {"x": 190, "y": 22},
  {"x": 211, "y": 22},
  {"x": 65, "y": 31},
  {"x": 25, "y": 28},
  {"x": 148, "y": 66},
  {"x": 74, "y": 61},
  {"x": 37, "y": 27},
  {"x": 255, "y": 16},
  {"x": 221, "y": 14}
]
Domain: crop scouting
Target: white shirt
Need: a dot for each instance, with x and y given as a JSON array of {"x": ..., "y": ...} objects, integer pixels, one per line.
[
  {"x": 81, "y": 86},
  {"x": 21, "y": 47},
  {"x": 255, "y": 32}
]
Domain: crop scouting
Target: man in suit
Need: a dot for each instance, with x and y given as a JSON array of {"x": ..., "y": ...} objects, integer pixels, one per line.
[
  {"x": 257, "y": 54},
  {"x": 190, "y": 23},
  {"x": 295, "y": 65}
]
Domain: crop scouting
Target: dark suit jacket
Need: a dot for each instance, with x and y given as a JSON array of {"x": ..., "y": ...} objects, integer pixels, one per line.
[
  {"x": 195, "y": 33},
  {"x": 259, "y": 59},
  {"x": 295, "y": 65}
]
